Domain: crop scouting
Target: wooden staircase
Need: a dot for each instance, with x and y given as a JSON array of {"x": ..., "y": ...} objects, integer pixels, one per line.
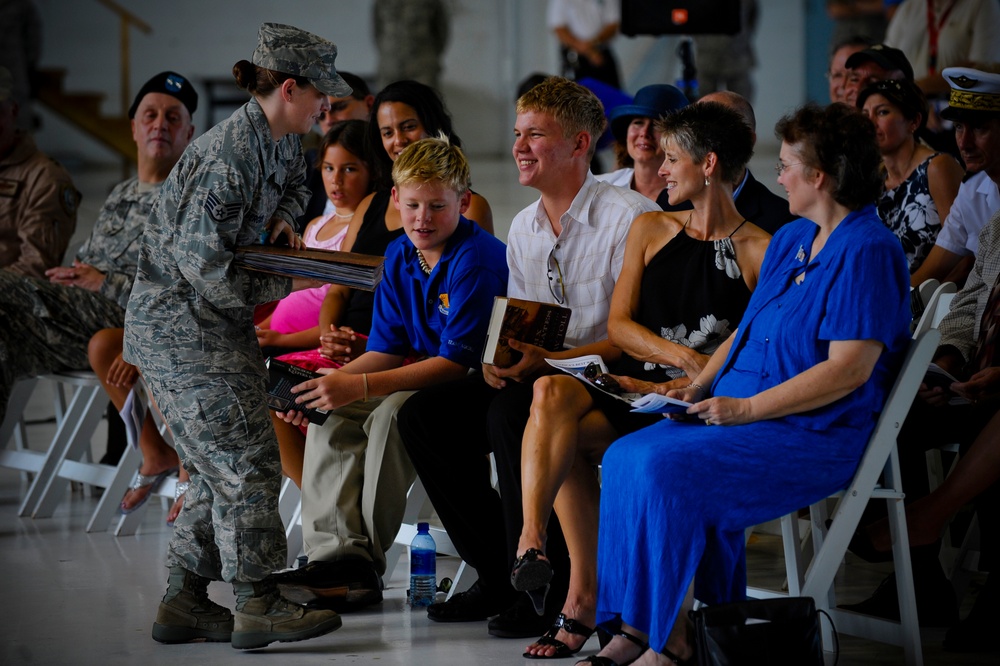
[{"x": 83, "y": 110}]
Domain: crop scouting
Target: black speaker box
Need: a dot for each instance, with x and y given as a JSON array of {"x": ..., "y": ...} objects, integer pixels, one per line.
[{"x": 680, "y": 17}]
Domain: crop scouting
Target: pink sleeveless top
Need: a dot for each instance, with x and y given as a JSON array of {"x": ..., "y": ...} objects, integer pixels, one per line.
[{"x": 299, "y": 311}]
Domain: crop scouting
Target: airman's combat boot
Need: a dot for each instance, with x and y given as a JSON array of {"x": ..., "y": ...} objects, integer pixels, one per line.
[
  {"x": 187, "y": 614},
  {"x": 264, "y": 616}
]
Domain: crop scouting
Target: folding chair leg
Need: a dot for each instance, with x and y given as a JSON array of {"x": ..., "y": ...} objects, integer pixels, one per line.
[
  {"x": 293, "y": 535},
  {"x": 965, "y": 560},
  {"x": 20, "y": 396},
  {"x": 289, "y": 499},
  {"x": 108, "y": 505},
  {"x": 464, "y": 578},
  {"x": 904, "y": 580},
  {"x": 290, "y": 510},
  {"x": 794, "y": 566},
  {"x": 72, "y": 436}
]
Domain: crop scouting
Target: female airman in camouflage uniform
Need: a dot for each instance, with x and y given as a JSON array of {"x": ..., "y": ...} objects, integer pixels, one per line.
[{"x": 189, "y": 328}]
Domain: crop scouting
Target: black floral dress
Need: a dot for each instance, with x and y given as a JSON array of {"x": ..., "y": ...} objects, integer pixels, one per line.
[
  {"x": 909, "y": 211},
  {"x": 692, "y": 293}
]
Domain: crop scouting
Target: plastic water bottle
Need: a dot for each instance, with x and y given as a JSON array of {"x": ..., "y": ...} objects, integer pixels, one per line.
[{"x": 423, "y": 567}]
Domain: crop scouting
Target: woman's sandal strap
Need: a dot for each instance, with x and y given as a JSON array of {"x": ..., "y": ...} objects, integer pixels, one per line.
[
  {"x": 570, "y": 626},
  {"x": 599, "y": 661},
  {"x": 674, "y": 658},
  {"x": 643, "y": 645}
]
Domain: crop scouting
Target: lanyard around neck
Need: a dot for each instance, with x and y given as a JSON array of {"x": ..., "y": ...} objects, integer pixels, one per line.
[{"x": 934, "y": 25}]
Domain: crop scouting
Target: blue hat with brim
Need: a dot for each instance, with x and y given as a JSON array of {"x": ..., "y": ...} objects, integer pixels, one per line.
[{"x": 650, "y": 102}]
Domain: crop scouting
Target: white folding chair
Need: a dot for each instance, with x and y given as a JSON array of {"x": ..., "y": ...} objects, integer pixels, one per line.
[
  {"x": 936, "y": 307},
  {"x": 815, "y": 579},
  {"x": 68, "y": 456},
  {"x": 958, "y": 563},
  {"x": 290, "y": 509},
  {"x": 13, "y": 430},
  {"x": 920, "y": 296}
]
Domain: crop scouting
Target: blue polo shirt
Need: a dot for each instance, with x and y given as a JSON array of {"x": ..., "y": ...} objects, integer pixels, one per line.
[{"x": 447, "y": 312}]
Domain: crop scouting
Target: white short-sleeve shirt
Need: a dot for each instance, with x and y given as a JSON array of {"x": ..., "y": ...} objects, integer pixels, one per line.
[
  {"x": 588, "y": 253},
  {"x": 978, "y": 198}
]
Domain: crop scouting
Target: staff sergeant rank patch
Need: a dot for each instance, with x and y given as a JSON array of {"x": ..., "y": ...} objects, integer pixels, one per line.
[{"x": 220, "y": 211}]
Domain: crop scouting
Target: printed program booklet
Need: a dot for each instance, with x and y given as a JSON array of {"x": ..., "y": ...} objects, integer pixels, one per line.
[
  {"x": 650, "y": 403},
  {"x": 937, "y": 376},
  {"x": 540, "y": 324},
  {"x": 281, "y": 378},
  {"x": 358, "y": 271}
]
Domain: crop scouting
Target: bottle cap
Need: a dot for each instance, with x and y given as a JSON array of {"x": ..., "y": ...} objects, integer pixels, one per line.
[{"x": 423, "y": 527}]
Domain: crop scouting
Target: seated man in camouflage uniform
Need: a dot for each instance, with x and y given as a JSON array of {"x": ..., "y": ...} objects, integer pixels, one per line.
[{"x": 48, "y": 324}]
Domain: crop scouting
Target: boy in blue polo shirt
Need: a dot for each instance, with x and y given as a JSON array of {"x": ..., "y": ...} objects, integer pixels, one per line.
[{"x": 435, "y": 299}]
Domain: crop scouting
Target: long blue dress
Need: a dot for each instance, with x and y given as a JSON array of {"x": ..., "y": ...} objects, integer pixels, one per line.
[{"x": 677, "y": 496}]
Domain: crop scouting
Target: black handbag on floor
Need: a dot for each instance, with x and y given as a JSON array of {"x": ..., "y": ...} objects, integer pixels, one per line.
[{"x": 759, "y": 632}]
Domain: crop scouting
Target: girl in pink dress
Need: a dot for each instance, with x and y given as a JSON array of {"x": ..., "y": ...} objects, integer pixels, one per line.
[
  {"x": 346, "y": 172},
  {"x": 292, "y": 330}
]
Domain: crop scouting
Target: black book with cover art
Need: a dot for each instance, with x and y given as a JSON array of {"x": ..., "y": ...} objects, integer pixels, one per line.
[
  {"x": 541, "y": 324},
  {"x": 281, "y": 378}
]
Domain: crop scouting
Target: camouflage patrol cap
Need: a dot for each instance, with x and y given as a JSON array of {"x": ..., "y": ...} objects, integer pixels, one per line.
[
  {"x": 6, "y": 84},
  {"x": 287, "y": 49}
]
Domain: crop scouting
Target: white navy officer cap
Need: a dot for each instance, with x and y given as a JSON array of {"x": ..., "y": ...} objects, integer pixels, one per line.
[{"x": 975, "y": 94}]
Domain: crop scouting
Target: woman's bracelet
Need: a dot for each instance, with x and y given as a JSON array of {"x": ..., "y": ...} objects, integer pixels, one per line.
[
  {"x": 697, "y": 386},
  {"x": 364, "y": 385}
]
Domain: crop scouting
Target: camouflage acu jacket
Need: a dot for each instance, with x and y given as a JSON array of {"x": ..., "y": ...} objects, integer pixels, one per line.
[{"x": 191, "y": 311}]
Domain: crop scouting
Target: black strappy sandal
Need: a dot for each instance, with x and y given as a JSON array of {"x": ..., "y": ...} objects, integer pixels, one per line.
[
  {"x": 531, "y": 575},
  {"x": 673, "y": 657},
  {"x": 570, "y": 626},
  {"x": 598, "y": 660}
]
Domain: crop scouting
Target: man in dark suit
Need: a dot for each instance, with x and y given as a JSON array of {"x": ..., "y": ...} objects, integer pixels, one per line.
[{"x": 753, "y": 199}]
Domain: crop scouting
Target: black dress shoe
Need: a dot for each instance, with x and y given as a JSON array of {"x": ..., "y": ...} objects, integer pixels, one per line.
[
  {"x": 342, "y": 585},
  {"x": 521, "y": 620},
  {"x": 936, "y": 604},
  {"x": 473, "y": 605}
]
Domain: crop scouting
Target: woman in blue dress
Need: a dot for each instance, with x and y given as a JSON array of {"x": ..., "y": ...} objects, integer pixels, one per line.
[{"x": 797, "y": 390}]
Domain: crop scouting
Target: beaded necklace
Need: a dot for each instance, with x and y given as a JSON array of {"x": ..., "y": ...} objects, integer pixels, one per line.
[{"x": 424, "y": 266}]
